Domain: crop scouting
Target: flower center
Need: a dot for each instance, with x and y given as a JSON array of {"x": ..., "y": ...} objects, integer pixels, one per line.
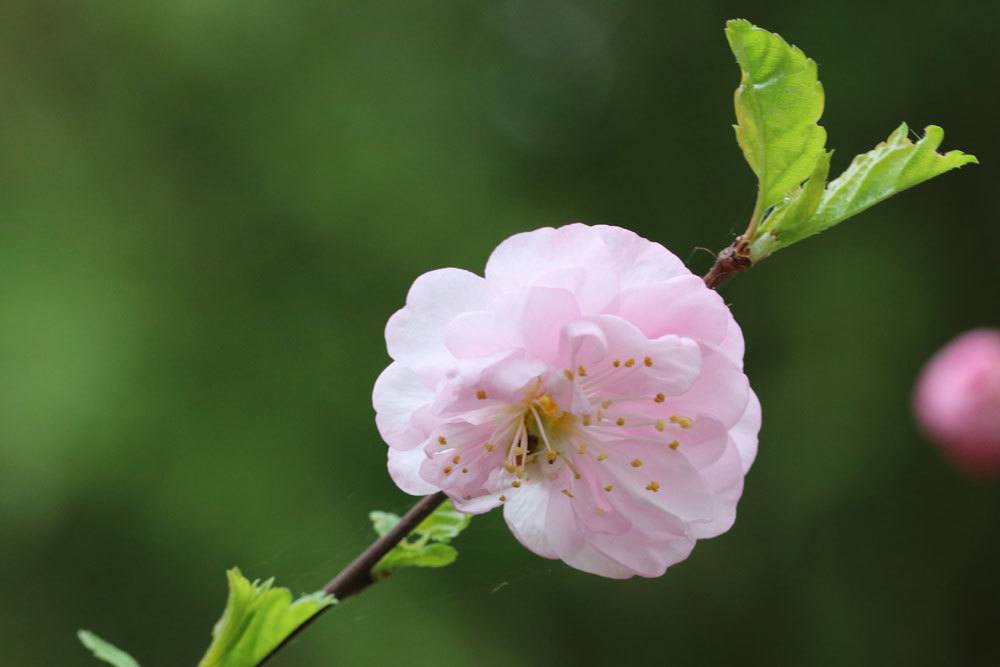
[{"x": 585, "y": 430}]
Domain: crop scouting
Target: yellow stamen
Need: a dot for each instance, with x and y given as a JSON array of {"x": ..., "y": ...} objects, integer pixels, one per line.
[
  {"x": 503, "y": 499},
  {"x": 660, "y": 398},
  {"x": 481, "y": 395},
  {"x": 609, "y": 488},
  {"x": 447, "y": 470},
  {"x": 660, "y": 425},
  {"x": 581, "y": 371},
  {"x": 569, "y": 464},
  {"x": 683, "y": 422},
  {"x": 629, "y": 363},
  {"x": 549, "y": 406},
  {"x": 616, "y": 363},
  {"x": 602, "y": 456},
  {"x": 648, "y": 361},
  {"x": 674, "y": 445},
  {"x": 620, "y": 421},
  {"x": 442, "y": 440},
  {"x": 568, "y": 374},
  {"x": 653, "y": 486},
  {"x": 465, "y": 470},
  {"x": 583, "y": 448},
  {"x": 551, "y": 455},
  {"x": 586, "y": 420},
  {"x": 605, "y": 404},
  {"x": 509, "y": 467},
  {"x": 516, "y": 484},
  {"x": 489, "y": 446},
  {"x": 457, "y": 458},
  {"x": 567, "y": 493},
  {"x": 636, "y": 463}
]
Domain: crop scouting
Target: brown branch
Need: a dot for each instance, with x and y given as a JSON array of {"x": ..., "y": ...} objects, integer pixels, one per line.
[
  {"x": 729, "y": 262},
  {"x": 358, "y": 575}
]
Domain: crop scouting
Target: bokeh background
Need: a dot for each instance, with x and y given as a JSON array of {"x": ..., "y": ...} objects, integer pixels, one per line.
[{"x": 209, "y": 208}]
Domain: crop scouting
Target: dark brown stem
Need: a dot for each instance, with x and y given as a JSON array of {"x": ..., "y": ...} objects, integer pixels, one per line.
[
  {"x": 358, "y": 575},
  {"x": 729, "y": 262}
]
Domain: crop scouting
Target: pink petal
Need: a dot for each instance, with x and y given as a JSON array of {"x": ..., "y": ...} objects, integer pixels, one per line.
[
  {"x": 545, "y": 313},
  {"x": 415, "y": 334},
  {"x": 398, "y": 393},
  {"x": 681, "y": 305},
  {"x": 744, "y": 432},
  {"x": 404, "y": 468},
  {"x": 721, "y": 390},
  {"x": 525, "y": 512},
  {"x": 638, "y": 261},
  {"x": 478, "y": 333}
]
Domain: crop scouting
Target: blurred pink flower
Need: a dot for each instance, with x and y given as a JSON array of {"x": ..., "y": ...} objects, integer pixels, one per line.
[
  {"x": 589, "y": 383},
  {"x": 957, "y": 400}
]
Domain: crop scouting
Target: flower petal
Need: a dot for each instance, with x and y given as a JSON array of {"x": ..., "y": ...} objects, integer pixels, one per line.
[
  {"x": 681, "y": 305},
  {"x": 525, "y": 512},
  {"x": 721, "y": 390},
  {"x": 545, "y": 312},
  {"x": 744, "y": 433},
  {"x": 415, "y": 334},
  {"x": 593, "y": 263},
  {"x": 397, "y": 395},
  {"x": 404, "y": 468}
]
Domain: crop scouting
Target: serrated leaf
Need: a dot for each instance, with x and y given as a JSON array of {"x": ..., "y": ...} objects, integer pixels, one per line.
[
  {"x": 427, "y": 545},
  {"x": 105, "y": 651},
  {"x": 778, "y": 104},
  {"x": 258, "y": 617},
  {"x": 891, "y": 167}
]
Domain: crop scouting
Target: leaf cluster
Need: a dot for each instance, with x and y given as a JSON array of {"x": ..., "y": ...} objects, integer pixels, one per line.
[
  {"x": 778, "y": 105},
  {"x": 427, "y": 545}
]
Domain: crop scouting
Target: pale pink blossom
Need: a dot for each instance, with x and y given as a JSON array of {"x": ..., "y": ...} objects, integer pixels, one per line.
[
  {"x": 589, "y": 383},
  {"x": 958, "y": 400}
]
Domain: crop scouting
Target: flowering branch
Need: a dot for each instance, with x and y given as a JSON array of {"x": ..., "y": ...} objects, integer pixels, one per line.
[
  {"x": 358, "y": 575},
  {"x": 536, "y": 418}
]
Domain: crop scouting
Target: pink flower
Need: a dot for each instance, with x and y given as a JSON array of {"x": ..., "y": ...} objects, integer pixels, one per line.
[
  {"x": 958, "y": 400},
  {"x": 589, "y": 383}
]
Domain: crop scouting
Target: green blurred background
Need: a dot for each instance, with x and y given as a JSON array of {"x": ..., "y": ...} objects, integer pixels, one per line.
[{"x": 209, "y": 208}]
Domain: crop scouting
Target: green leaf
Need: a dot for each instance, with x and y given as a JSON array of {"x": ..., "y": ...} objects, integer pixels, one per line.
[
  {"x": 891, "y": 167},
  {"x": 778, "y": 104},
  {"x": 258, "y": 617},
  {"x": 444, "y": 524},
  {"x": 427, "y": 545},
  {"x": 435, "y": 554},
  {"x": 102, "y": 650},
  {"x": 786, "y": 223},
  {"x": 383, "y": 522}
]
